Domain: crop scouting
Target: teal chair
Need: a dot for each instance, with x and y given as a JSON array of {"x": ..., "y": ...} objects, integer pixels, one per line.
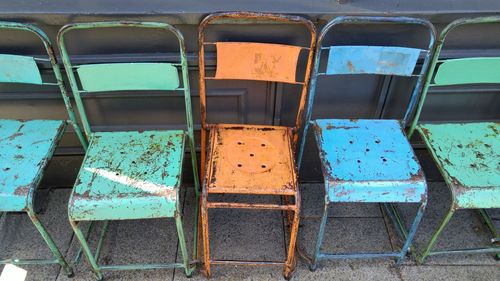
[
  {"x": 129, "y": 174},
  {"x": 26, "y": 146},
  {"x": 467, "y": 154}
]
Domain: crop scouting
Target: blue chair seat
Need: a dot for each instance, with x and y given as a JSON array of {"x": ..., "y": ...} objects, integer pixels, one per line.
[
  {"x": 25, "y": 150},
  {"x": 468, "y": 156},
  {"x": 129, "y": 175},
  {"x": 368, "y": 161}
]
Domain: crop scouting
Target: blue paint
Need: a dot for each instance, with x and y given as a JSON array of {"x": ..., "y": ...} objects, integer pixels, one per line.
[
  {"x": 19, "y": 69},
  {"x": 368, "y": 161},
  {"x": 25, "y": 149},
  {"x": 372, "y": 60}
]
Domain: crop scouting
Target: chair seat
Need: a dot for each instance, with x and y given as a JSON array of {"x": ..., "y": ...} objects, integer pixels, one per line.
[
  {"x": 25, "y": 149},
  {"x": 368, "y": 161},
  {"x": 468, "y": 156},
  {"x": 248, "y": 159},
  {"x": 129, "y": 175}
]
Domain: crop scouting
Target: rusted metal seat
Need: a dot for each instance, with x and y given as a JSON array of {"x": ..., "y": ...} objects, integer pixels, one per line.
[
  {"x": 466, "y": 153},
  {"x": 369, "y": 160},
  {"x": 27, "y": 146},
  {"x": 252, "y": 159}
]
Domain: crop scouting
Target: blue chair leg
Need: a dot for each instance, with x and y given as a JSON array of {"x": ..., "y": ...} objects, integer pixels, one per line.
[
  {"x": 411, "y": 233},
  {"x": 319, "y": 240}
]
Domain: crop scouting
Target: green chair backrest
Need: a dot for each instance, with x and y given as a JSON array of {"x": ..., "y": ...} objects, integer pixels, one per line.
[
  {"x": 19, "y": 69},
  {"x": 461, "y": 71}
]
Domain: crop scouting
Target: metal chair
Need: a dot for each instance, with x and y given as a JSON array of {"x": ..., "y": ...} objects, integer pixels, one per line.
[
  {"x": 466, "y": 154},
  {"x": 367, "y": 160},
  {"x": 130, "y": 174},
  {"x": 252, "y": 159},
  {"x": 27, "y": 146}
]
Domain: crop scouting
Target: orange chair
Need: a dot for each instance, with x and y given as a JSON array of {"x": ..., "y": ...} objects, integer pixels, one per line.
[{"x": 252, "y": 159}]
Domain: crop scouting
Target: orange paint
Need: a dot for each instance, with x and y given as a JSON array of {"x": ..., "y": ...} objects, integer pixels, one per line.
[{"x": 257, "y": 61}]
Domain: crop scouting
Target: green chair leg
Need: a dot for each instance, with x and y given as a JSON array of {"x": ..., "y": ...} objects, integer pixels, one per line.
[
  {"x": 48, "y": 239},
  {"x": 86, "y": 250},
  {"x": 434, "y": 237},
  {"x": 188, "y": 270}
]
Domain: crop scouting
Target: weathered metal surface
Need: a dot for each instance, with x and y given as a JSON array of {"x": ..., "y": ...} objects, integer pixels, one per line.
[
  {"x": 128, "y": 76},
  {"x": 257, "y": 61},
  {"x": 368, "y": 161},
  {"x": 19, "y": 69},
  {"x": 468, "y": 71},
  {"x": 380, "y": 60},
  {"x": 129, "y": 175},
  {"x": 468, "y": 157},
  {"x": 25, "y": 150},
  {"x": 246, "y": 159},
  {"x": 251, "y": 159}
]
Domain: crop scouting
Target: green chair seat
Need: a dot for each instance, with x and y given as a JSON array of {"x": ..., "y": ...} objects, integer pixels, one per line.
[
  {"x": 468, "y": 156},
  {"x": 25, "y": 149},
  {"x": 129, "y": 175}
]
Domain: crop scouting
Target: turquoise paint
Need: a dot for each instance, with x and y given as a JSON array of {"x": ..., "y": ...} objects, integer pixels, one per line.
[
  {"x": 128, "y": 76},
  {"x": 468, "y": 71},
  {"x": 368, "y": 161},
  {"x": 468, "y": 156},
  {"x": 19, "y": 69},
  {"x": 129, "y": 175},
  {"x": 380, "y": 60},
  {"x": 25, "y": 149}
]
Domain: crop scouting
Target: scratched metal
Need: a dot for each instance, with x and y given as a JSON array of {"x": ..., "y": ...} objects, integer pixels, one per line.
[
  {"x": 129, "y": 175},
  {"x": 248, "y": 159},
  {"x": 368, "y": 161},
  {"x": 25, "y": 149},
  {"x": 380, "y": 60},
  {"x": 133, "y": 76},
  {"x": 19, "y": 69},
  {"x": 468, "y": 155},
  {"x": 468, "y": 71}
]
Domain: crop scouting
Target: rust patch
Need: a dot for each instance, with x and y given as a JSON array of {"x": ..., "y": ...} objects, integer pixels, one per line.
[
  {"x": 22, "y": 190},
  {"x": 350, "y": 66}
]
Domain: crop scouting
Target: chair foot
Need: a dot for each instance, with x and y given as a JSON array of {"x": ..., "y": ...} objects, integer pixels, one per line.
[
  {"x": 313, "y": 267},
  {"x": 70, "y": 274},
  {"x": 497, "y": 257}
]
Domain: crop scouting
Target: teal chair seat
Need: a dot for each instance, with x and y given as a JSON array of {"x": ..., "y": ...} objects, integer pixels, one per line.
[
  {"x": 368, "y": 161},
  {"x": 25, "y": 149},
  {"x": 129, "y": 175},
  {"x": 468, "y": 156}
]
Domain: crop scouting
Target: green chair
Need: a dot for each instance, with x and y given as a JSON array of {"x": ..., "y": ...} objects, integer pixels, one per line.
[
  {"x": 129, "y": 174},
  {"x": 467, "y": 154},
  {"x": 26, "y": 146}
]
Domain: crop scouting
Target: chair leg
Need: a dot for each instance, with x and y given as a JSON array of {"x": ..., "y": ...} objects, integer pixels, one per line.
[
  {"x": 81, "y": 238},
  {"x": 434, "y": 237},
  {"x": 411, "y": 234},
  {"x": 289, "y": 213},
  {"x": 50, "y": 242},
  {"x": 188, "y": 270},
  {"x": 290, "y": 261},
  {"x": 319, "y": 240},
  {"x": 206, "y": 244}
]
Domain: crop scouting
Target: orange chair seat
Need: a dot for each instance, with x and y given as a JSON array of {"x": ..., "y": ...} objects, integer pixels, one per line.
[{"x": 249, "y": 159}]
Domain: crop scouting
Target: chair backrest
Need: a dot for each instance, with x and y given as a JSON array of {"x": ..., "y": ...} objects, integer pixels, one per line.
[
  {"x": 137, "y": 76},
  {"x": 24, "y": 69},
  {"x": 256, "y": 60},
  {"x": 459, "y": 71},
  {"x": 369, "y": 59}
]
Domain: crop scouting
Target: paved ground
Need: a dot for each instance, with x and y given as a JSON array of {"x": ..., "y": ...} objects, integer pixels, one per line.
[{"x": 260, "y": 235}]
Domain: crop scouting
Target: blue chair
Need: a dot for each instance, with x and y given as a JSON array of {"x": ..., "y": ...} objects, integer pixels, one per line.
[{"x": 366, "y": 160}]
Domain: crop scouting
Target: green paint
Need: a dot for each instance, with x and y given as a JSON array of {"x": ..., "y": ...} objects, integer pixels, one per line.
[
  {"x": 19, "y": 69},
  {"x": 468, "y": 71},
  {"x": 128, "y": 76},
  {"x": 467, "y": 155}
]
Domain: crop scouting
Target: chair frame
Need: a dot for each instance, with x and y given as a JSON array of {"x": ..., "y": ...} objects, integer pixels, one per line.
[
  {"x": 30, "y": 210},
  {"x": 93, "y": 258},
  {"x": 249, "y": 18},
  {"x": 454, "y": 206},
  {"x": 390, "y": 208}
]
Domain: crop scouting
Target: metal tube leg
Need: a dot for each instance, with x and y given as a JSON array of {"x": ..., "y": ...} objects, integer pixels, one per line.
[
  {"x": 204, "y": 223},
  {"x": 411, "y": 234},
  {"x": 290, "y": 261},
  {"x": 182, "y": 243},
  {"x": 86, "y": 249},
  {"x": 52, "y": 246},
  {"x": 434, "y": 237},
  {"x": 319, "y": 240}
]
